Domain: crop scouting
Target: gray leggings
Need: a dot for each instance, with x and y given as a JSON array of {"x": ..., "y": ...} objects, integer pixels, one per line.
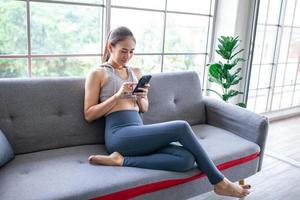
[{"x": 149, "y": 146}]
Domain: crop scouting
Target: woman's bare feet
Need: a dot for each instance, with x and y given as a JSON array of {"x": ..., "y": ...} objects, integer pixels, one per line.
[
  {"x": 227, "y": 188},
  {"x": 114, "y": 159}
]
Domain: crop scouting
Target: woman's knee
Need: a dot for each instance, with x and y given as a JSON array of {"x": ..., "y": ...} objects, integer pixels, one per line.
[
  {"x": 183, "y": 127},
  {"x": 182, "y": 124}
]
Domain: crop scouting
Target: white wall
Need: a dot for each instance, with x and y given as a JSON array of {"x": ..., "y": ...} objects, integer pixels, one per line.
[{"x": 233, "y": 18}]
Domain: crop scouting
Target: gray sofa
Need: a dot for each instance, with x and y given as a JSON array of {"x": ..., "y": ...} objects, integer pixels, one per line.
[{"x": 42, "y": 119}]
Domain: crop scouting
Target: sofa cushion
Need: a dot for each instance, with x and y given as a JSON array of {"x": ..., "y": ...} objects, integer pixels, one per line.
[
  {"x": 223, "y": 145},
  {"x": 31, "y": 108},
  {"x": 6, "y": 152},
  {"x": 66, "y": 174},
  {"x": 174, "y": 96}
]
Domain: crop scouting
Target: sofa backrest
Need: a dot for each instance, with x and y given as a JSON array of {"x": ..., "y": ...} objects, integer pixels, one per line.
[
  {"x": 47, "y": 113},
  {"x": 175, "y": 96}
]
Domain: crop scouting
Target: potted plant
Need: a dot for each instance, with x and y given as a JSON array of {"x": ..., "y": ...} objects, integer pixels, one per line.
[{"x": 222, "y": 73}]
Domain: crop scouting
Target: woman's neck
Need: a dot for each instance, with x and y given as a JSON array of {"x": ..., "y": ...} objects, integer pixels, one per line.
[{"x": 115, "y": 65}]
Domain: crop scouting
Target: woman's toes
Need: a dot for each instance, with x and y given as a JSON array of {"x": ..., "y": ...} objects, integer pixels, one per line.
[
  {"x": 90, "y": 158},
  {"x": 246, "y": 186},
  {"x": 227, "y": 188},
  {"x": 93, "y": 159},
  {"x": 246, "y": 192}
]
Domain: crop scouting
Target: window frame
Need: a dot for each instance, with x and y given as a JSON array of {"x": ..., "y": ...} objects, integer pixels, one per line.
[{"x": 106, "y": 25}]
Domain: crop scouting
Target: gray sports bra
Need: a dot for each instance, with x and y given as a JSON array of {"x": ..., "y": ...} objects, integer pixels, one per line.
[{"x": 114, "y": 81}]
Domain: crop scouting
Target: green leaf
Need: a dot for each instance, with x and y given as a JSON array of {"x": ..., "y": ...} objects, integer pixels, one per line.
[
  {"x": 230, "y": 94},
  {"x": 233, "y": 93},
  {"x": 221, "y": 47},
  {"x": 234, "y": 63},
  {"x": 214, "y": 70},
  {"x": 215, "y": 92},
  {"x": 226, "y": 43},
  {"x": 229, "y": 66},
  {"x": 236, "y": 80},
  {"x": 236, "y": 53},
  {"x": 236, "y": 46},
  {"x": 223, "y": 38},
  {"x": 237, "y": 60},
  {"x": 231, "y": 44},
  {"x": 225, "y": 97},
  {"x": 236, "y": 38},
  {"x": 212, "y": 79},
  {"x": 226, "y": 85},
  {"x": 225, "y": 73},
  {"x": 225, "y": 54},
  {"x": 243, "y": 105},
  {"x": 237, "y": 71}
]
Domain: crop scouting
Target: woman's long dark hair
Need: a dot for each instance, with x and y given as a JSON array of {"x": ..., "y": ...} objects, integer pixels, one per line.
[{"x": 116, "y": 35}]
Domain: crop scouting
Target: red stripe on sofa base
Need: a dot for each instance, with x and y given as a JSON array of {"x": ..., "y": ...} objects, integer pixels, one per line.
[{"x": 151, "y": 187}]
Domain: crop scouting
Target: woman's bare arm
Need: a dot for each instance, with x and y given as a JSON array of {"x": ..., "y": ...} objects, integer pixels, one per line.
[{"x": 92, "y": 109}]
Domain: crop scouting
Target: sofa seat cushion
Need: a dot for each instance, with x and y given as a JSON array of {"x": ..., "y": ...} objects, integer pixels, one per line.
[
  {"x": 66, "y": 174},
  {"x": 223, "y": 145}
]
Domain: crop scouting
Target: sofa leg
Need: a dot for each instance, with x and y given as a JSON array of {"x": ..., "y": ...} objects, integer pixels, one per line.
[{"x": 242, "y": 182}]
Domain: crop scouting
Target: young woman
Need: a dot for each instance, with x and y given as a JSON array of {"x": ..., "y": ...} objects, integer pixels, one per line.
[{"x": 129, "y": 142}]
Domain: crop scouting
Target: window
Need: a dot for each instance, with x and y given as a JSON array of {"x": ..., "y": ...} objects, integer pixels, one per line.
[
  {"x": 172, "y": 35},
  {"x": 275, "y": 73},
  {"x": 60, "y": 38},
  {"x": 66, "y": 38}
]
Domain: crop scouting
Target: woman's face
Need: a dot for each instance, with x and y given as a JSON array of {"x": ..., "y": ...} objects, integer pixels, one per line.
[{"x": 122, "y": 52}]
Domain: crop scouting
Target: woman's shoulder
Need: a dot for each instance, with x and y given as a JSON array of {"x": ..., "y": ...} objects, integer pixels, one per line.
[{"x": 97, "y": 73}]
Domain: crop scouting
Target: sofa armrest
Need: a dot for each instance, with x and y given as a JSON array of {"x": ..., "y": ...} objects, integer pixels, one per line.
[
  {"x": 244, "y": 123},
  {"x": 6, "y": 151}
]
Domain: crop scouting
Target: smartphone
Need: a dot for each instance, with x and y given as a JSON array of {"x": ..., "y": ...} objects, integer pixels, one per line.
[{"x": 142, "y": 82}]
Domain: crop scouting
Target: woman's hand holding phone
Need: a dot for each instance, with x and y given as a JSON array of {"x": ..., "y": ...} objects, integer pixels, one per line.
[
  {"x": 140, "y": 89},
  {"x": 143, "y": 91}
]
